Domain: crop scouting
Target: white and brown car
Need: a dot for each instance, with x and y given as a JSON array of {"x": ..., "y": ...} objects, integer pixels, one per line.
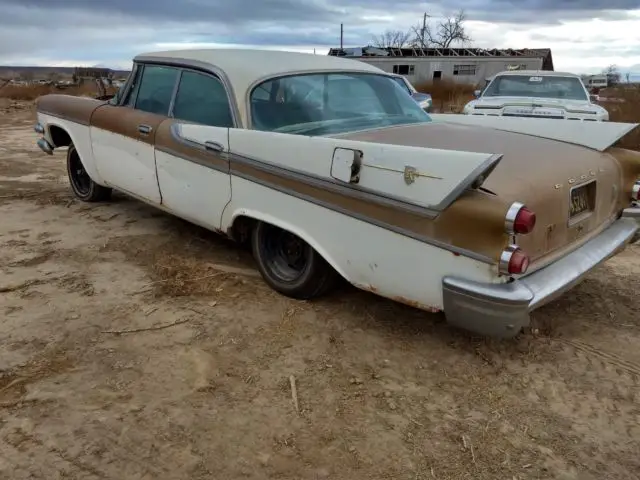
[{"x": 486, "y": 224}]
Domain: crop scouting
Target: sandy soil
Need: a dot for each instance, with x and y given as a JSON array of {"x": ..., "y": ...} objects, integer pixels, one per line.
[{"x": 385, "y": 391}]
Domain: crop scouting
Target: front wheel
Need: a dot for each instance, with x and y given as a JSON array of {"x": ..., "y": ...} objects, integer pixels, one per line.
[
  {"x": 290, "y": 265},
  {"x": 81, "y": 183}
]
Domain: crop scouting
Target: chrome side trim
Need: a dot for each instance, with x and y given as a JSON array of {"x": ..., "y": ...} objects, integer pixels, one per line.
[
  {"x": 192, "y": 159},
  {"x": 502, "y": 310}
]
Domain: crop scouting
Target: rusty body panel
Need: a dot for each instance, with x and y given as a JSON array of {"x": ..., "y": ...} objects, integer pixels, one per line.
[
  {"x": 69, "y": 107},
  {"x": 535, "y": 171}
]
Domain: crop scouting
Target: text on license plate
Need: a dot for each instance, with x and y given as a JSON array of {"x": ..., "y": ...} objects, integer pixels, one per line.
[{"x": 581, "y": 199}]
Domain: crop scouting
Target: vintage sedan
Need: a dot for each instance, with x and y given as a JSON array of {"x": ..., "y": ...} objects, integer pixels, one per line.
[{"x": 485, "y": 223}]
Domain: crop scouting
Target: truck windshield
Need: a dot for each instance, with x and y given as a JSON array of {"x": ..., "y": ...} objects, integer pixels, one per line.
[
  {"x": 330, "y": 103},
  {"x": 569, "y": 88}
]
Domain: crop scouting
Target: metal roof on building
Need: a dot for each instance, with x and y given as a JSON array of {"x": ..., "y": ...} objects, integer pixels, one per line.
[{"x": 369, "y": 51}]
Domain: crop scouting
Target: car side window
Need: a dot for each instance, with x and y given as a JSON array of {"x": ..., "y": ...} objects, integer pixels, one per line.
[
  {"x": 155, "y": 89},
  {"x": 202, "y": 99}
]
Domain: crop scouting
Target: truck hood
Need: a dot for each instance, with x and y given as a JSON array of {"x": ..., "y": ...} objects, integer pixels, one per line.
[
  {"x": 539, "y": 107},
  {"x": 538, "y": 172}
]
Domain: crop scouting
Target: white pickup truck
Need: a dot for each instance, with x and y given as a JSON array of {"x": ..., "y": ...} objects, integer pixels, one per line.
[{"x": 537, "y": 94}]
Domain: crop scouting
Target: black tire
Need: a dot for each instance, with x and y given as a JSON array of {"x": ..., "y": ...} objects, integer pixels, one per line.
[
  {"x": 290, "y": 265},
  {"x": 82, "y": 185}
]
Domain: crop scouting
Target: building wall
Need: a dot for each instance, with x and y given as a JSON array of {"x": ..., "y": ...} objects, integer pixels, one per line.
[{"x": 424, "y": 68}]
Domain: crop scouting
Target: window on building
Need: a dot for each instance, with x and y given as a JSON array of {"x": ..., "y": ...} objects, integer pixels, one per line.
[
  {"x": 404, "y": 69},
  {"x": 202, "y": 99},
  {"x": 464, "y": 69}
]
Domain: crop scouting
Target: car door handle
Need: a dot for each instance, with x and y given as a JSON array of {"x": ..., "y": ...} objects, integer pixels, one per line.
[
  {"x": 144, "y": 129},
  {"x": 213, "y": 146}
]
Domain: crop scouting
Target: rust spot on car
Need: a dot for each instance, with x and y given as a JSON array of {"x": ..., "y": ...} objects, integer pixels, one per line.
[
  {"x": 415, "y": 304},
  {"x": 401, "y": 299}
]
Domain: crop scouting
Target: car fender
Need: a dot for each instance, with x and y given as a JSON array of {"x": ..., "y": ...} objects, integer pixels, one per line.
[{"x": 80, "y": 140}]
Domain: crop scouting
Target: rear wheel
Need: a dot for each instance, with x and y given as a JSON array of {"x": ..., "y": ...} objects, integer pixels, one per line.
[
  {"x": 81, "y": 183},
  {"x": 290, "y": 265}
]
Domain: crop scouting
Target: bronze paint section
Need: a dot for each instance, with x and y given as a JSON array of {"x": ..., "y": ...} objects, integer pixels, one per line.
[
  {"x": 166, "y": 142},
  {"x": 69, "y": 107},
  {"x": 126, "y": 121}
]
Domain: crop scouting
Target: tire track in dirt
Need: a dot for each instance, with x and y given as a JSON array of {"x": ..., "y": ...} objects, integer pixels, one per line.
[{"x": 630, "y": 367}]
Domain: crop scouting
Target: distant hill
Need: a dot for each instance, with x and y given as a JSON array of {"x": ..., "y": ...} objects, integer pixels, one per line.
[{"x": 11, "y": 71}]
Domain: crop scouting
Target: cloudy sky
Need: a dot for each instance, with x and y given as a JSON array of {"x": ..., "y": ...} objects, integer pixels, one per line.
[{"x": 584, "y": 35}]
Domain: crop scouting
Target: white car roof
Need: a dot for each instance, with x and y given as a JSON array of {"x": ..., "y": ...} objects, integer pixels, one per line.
[{"x": 244, "y": 67}]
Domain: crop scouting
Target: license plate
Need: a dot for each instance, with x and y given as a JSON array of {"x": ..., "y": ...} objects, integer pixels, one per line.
[{"x": 579, "y": 200}]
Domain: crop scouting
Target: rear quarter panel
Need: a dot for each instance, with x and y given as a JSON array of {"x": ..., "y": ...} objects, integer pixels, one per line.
[
  {"x": 368, "y": 256},
  {"x": 358, "y": 237}
]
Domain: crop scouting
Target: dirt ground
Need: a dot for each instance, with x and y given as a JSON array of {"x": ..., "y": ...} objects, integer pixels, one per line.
[{"x": 92, "y": 386}]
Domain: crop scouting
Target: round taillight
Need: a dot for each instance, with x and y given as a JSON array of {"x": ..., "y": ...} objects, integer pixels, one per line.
[
  {"x": 518, "y": 263},
  {"x": 514, "y": 261},
  {"x": 524, "y": 222},
  {"x": 519, "y": 219}
]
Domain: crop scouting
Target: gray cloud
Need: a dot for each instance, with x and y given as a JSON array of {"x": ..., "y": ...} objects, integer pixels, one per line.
[
  {"x": 545, "y": 11},
  {"x": 117, "y": 29},
  {"x": 237, "y": 12},
  {"x": 213, "y": 11}
]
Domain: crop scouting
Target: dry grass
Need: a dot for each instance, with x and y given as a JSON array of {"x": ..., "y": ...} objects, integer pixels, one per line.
[
  {"x": 448, "y": 96},
  {"x": 627, "y": 111},
  {"x": 32, "y": 92},
  {"x": 184, "y": 264}
]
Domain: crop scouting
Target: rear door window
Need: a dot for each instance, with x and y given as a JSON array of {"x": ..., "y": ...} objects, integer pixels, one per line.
[
  {"x": 202, "y": 99},
  {"x": 155, "y": 89}
]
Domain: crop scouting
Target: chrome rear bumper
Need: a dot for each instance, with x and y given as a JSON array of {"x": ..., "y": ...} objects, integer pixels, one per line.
[{"x": 503, "y": 309}]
